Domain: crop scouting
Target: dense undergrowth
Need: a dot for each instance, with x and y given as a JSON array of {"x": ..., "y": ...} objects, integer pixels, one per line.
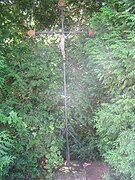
[
  {"x": 101, "y": 96},
  {"x": 112, "y": 53}
]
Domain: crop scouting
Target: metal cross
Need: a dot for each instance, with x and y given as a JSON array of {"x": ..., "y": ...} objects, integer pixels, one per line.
[{"x": 64, "y": 34}]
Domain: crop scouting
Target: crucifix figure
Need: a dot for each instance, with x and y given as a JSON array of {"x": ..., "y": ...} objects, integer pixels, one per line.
[{"x": 64, "y": 35}]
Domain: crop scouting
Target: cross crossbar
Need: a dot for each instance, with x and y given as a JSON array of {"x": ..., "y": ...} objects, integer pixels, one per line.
[{"x": 65, "y": 32}]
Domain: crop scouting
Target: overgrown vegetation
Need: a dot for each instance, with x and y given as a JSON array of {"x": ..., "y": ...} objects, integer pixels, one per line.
[
  {"x": 112, "y": 53},
  {"x": 101, "y": 89}
]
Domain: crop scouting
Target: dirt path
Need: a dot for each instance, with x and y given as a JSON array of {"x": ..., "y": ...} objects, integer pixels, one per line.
[
  {"x": 88, "y": 171},
  {"x": 95, "y": 171}
]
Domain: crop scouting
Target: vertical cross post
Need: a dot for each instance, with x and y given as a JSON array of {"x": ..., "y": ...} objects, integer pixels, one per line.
[{"x": 65, "y": 89}]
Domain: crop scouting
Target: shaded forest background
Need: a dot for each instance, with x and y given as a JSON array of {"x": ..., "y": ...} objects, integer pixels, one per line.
[{"x": 101, "y": 87}]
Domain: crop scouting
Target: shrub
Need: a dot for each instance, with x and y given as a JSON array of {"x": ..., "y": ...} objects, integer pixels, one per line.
[
  {"x": 27, "y": 151},
  {"x": 5, "y": 157},
  {"x": 115, "y": 127}
]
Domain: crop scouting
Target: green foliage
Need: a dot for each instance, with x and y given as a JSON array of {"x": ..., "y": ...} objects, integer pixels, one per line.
[
  {"x": 122, "y": 158},
  {"x": 9, "y": 125},
  {"x": 112, "y": 53},
  {"x": 46, "y": 13},
  {"x": 28, "y": 84},
  {"x": 114, "y": 57},
  {"x": 26, "y": 151},
  {"x": 31, "y": 84},
  {"x": 5, "y": 158},
  {"x": 115, "y": 127},
  {"x": 53, "y": 157}
]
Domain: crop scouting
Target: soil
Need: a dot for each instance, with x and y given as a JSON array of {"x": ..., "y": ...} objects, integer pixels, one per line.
[
  {"x": 96, "y": 171},
  {"x": 87, "y": 171}
]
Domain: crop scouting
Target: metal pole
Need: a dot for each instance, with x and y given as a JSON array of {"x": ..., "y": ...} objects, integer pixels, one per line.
[{"x": 65, "y": 98}]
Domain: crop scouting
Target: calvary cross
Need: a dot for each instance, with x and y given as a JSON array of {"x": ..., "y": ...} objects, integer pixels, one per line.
[{"x": 64, "y": 35}]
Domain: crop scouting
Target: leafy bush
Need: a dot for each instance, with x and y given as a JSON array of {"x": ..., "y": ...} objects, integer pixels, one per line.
[
  {"x": 28, "y": 85},
  {"x": 26, "y": 151},
  {"x": 5, "y": 157},
  {"x": 112, "y": 53},
  {"x": 115, "y": 127}
]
